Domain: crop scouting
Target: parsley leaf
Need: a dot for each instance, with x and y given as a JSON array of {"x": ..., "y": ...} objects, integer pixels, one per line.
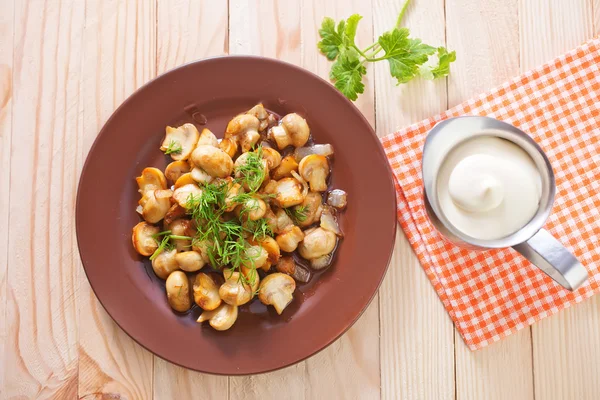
[
  {"x": 445, "y": 58},
  {"x": 331, "y": 41},
  {"x": 347, "y": 76},
  {"x": 408, "y": 57},
  {"x": 405, "y": 55}
]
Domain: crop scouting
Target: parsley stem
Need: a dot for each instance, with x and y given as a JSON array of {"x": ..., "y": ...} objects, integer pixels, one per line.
[
  {"x": 369, "y": 48},
  {"x": 370, "y": 56},
  {"x": 402, "y": 12}
]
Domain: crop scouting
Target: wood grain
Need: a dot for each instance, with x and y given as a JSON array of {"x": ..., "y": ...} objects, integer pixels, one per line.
[
  {"x": 272, "y": 29},
  {"x": 188, "y": 30},
  {"x": 485, "y": 36},
  {"x": 6, "y": 101},
  {"x": 596, "y": 16},
  {"x": 417, "y": 336},
  {"x": 565, "y": 353},
  {"x": 119, "y": 56},
  {"x": 328, "y": 373},
  {"x": 41, "y": 340}
]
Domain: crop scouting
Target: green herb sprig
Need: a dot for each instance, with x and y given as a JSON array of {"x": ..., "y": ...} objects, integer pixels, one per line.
[
  {"x": 407, "y": 57},
  {"x": 165, "y": 243},
  {"x": 297, "y": 213},
  {"x": 227, "y": 234},
  {"x": 252, "y": 172},
  {"x": 173, "y": 147}
]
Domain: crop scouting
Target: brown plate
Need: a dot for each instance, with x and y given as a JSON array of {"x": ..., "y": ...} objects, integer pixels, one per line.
[{"x": 211, "y": 92}]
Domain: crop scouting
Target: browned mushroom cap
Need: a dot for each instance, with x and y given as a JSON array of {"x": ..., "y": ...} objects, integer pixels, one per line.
[
  {"x": 201, "y": 176},
  {"x": 229, "y": 146},
  {"x": 221, "y": 318},
  {"x": 143, "y": 240},
  {"x": 155, "y": 204},
  {"x": 151, "y": 179},
  {"x": 206, "y": 292},
  {"x": 272, "y": 157},
  {"x": 317, "y": 242},
  {"x": 255, "y": 257},
  {"x": 180, "y": 141},
  {"x": 178, "y": 291},
  {"x": 315, "y": 169},
  {"x": 175, "y": 169},
  {"x": 183, "y": 194},
  {"x": 273, "y": 252},
  {"x": 244, "y": 129},
  {"x": 185, "y": 179},
  {"x": 213, "y": 160},
  {"x": 277, "y": 290},
  {"x": 207, "y": 138},
  {"x": 259, "y": 112},
  {"x": 175, "y": 212},
  {"x": 290, "y": 237},
  {"x": 189, "y": 261},
  {"x": 297, "y": 129},
  {"x": 236, "y": 292},
  {"x": 293, "y": 131},
  {"x": 285, "y": 168},
  {"x": 252, "y": 209},
  {"x": 288, "y": 192},
  {"x": 312, "y": 207},
  {"x": 165, "y": 263}
]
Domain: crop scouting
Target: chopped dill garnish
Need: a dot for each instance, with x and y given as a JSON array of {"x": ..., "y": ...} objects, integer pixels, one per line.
[
  {"x": 252, "y": 172},
  {"x": 225, "y": 236},
  {"x": 297, "y": 213},
  {"x": 165, "y": 243},
  {"x": 173, "y": 147}
]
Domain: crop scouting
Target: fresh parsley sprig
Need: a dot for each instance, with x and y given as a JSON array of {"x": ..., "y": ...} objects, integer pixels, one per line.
[{"x": 407, "y": 57}]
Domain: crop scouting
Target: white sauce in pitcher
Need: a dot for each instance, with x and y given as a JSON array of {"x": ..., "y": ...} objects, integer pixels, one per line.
[{"x": 489, "y": 187}]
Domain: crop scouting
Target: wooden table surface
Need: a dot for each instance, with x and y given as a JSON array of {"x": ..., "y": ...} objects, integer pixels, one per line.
[{"x": 66, "y": 65}]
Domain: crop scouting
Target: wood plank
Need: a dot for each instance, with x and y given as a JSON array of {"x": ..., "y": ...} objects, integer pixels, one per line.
[
  {"x": 188, "y": 30},
  {"x": 6, "y": 101},
  {"x": 280, "y": 25},
  {"x": 120, "y": 56},
  {"x": 562, "y": 25},
  {"x": 417, "y": 335},
  {"x": 350, "y": 367},
  {"x": 566, "y": 346},
  {"x": 596, "y": 16},
  {"x": 41, "y": 314},
  {"x": 487, "y": 48},
  {"x": 278, "y": 36}
]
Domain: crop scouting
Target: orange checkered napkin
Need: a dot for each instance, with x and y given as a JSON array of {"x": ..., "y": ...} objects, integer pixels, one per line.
[{"x": 491, "y": 294}]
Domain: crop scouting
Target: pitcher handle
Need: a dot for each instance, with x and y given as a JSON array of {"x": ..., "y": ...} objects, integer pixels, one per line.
[{"x": 549, "y": 255}]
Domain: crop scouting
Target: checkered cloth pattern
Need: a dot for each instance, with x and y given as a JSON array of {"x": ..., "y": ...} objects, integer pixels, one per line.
[{"x": 491, "y": 294}]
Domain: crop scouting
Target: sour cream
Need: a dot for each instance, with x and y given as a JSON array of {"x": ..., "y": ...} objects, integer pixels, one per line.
[{"x": 488, "y": 187}]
